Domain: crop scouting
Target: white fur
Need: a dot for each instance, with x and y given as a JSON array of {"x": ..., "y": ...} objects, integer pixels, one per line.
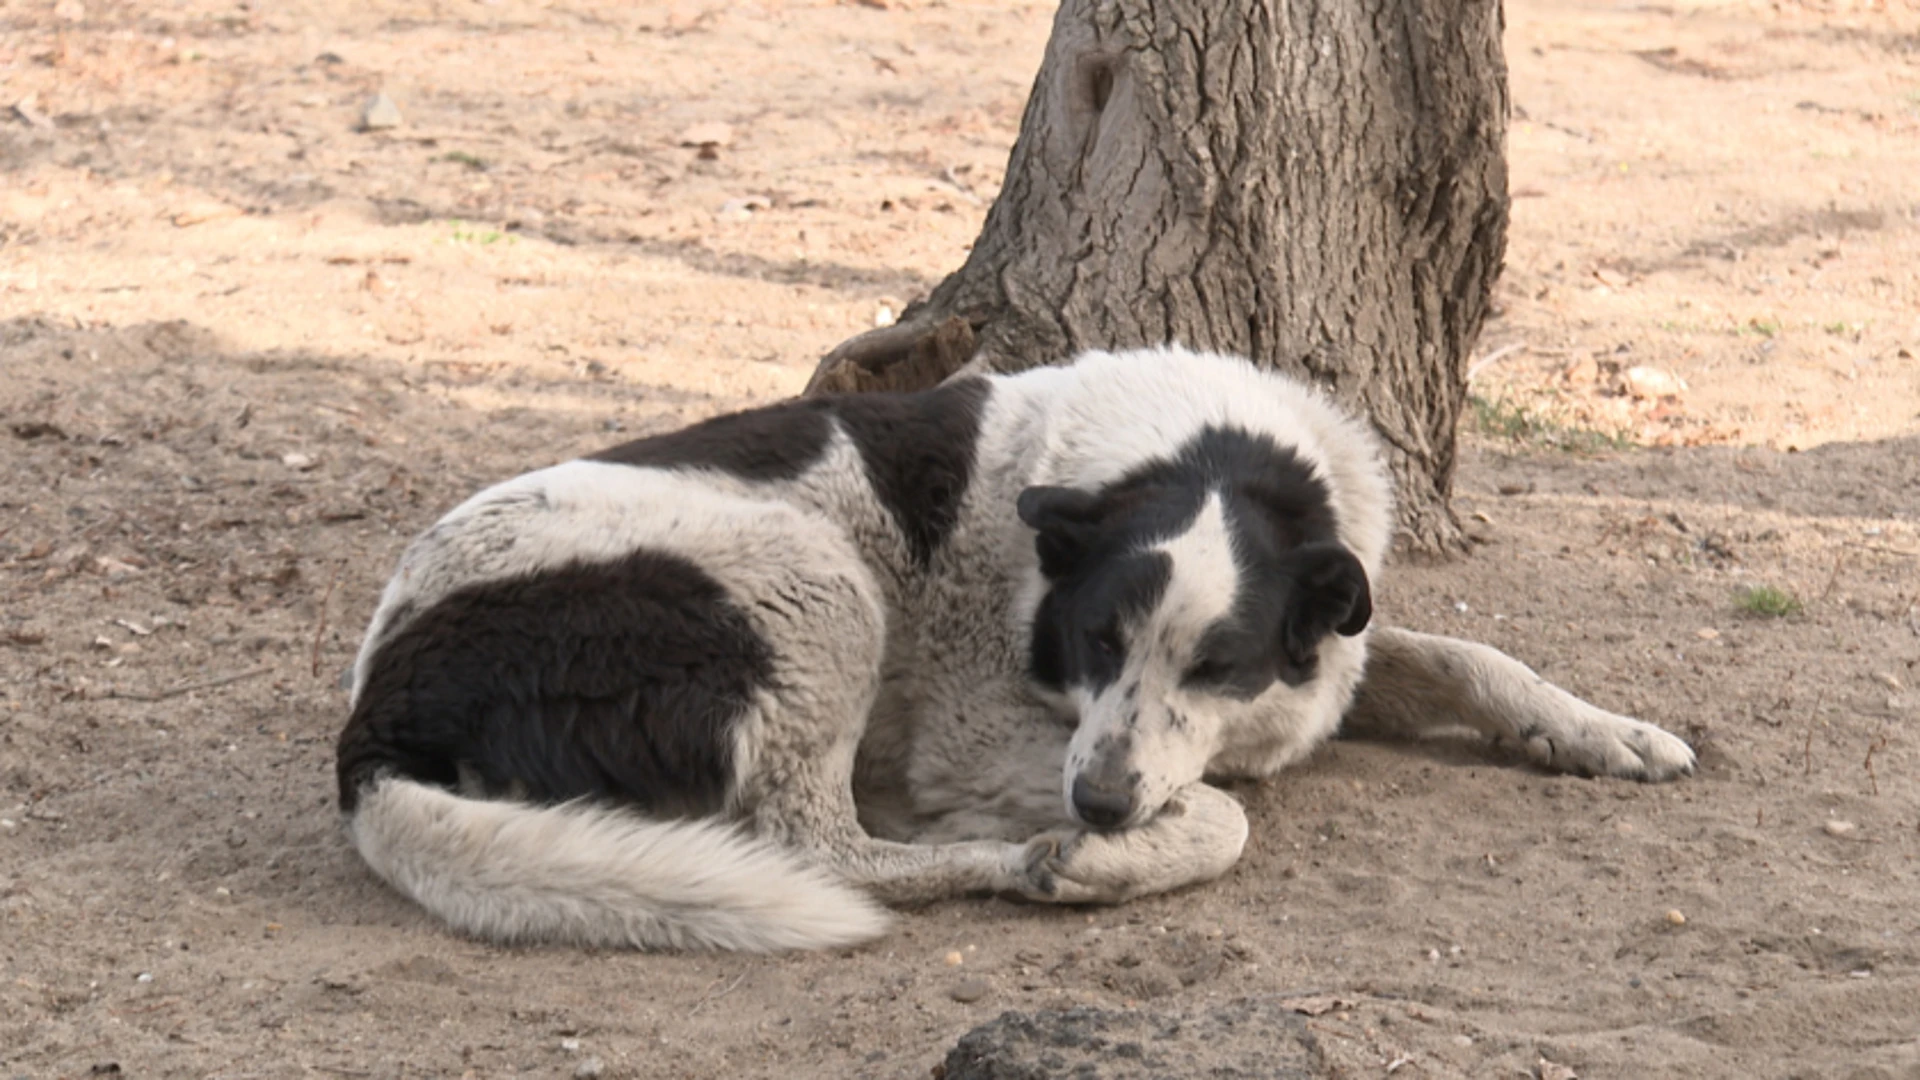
[{"x": 586, "y": 875}]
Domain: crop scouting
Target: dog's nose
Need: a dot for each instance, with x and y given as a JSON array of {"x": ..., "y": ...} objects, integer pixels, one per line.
[{"x": 1099, "y": 807}]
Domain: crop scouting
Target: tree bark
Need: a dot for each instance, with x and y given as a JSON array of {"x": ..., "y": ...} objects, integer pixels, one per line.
[{"x": 1319, "y": 185}]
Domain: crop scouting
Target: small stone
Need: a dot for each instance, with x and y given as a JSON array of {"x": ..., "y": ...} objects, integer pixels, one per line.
[
  {"x": 1837, "y": 827},
  {"x": 742, "y": 209},
  {"x": 571, "y": 1046},
  {"x": 144, "y": 977},
  {"x": 969, "y": 991},
  {"x": 1464, "y": 1042},
  {"x": 1706, "y": 633},
  {"x": 1649, "y": 382},
  {"x": 298, "y": 462},
  {"x": 28, "y": 109},
  {"x": 379, "y": 114},
  {"x": 1675, "y": 917},
  {"x": 589, "y": 1068},
  {"x": 955, "y": 958}
]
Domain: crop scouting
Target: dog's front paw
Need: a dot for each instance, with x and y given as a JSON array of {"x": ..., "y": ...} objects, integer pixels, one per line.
[
  {"x": 1604, "y": 744},
  {"x": 1048, "y": 868}
]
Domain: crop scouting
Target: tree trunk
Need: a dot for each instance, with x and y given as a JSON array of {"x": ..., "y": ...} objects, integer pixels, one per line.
[{"x": 1318, "y": 184}]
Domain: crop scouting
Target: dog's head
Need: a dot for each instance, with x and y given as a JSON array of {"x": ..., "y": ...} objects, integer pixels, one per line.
[{"x": 1185, "y": 611}]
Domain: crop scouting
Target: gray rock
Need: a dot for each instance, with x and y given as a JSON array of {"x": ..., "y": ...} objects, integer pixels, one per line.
[
  {"x": 380, "y": 114},
  {"x": 1247, "y": 1038}
]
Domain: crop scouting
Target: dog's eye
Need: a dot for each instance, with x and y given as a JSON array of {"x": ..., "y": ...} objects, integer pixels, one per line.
[
  {"x": 1106, "y": 643},
  {"x": 1205, "y": 672}
]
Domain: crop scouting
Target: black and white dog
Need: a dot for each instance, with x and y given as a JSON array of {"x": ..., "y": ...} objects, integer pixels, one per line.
[{"x": 728, "y": 686}]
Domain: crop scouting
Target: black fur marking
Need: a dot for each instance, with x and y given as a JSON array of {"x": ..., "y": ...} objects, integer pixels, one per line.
[
  {"x": 1286, "y": 607},
  {"x": 778, "y": 442},
  {"x": 618, "y": 680},
  {"x": 918, "y": 450},
  {"x": 1296, "y": 584},
  {"x": 1077, "y": 632}
]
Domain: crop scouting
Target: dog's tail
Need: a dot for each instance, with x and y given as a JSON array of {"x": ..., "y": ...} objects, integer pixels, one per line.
[{"x": 581, "y": 874}]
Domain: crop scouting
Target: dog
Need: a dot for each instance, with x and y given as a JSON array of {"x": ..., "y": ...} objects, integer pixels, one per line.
[{"x": 746, "y": 684}]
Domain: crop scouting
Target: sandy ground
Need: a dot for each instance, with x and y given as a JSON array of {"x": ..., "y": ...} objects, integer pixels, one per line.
[{"x": 246, "y": 350}]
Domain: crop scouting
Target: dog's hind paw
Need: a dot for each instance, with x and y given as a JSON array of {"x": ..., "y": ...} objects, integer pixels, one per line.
[{"x": 1606, "y": 744}]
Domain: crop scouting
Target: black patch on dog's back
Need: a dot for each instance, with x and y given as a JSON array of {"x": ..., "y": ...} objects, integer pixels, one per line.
[
  {"x": 918, "y": 450},
  {"x": 619, "y": 680},
  {"x": 777, "y": 442}
]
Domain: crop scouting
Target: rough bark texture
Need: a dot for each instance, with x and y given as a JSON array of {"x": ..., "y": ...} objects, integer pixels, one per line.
[{"x": 1318, "y": 184}]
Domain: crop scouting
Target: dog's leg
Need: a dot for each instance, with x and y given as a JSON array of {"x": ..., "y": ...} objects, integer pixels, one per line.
[
  {"x": 820, "y": 609},
  {"x": 897, "y": 873},
  {"x": 1418, "y": 683},
  {"x": 1197, "y": 837}
]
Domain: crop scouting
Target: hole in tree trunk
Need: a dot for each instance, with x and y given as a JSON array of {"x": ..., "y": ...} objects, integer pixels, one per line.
[{"x": 1096, "y": 81}]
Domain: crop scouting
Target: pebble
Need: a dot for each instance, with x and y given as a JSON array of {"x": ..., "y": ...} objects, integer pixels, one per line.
[
  {"x": 955, "y": 959},
  {"x": 970, "y": 991},
  {"x": 145, "y": 977},
  {"x": 297, "y": 461},
  {"x": 380, "y": 114},
  {"x": 571, "y": 1046},
  {"x": 742, "y": 209},
  {"x": 1837, "y": 827},
  {"x": 1649, "y": 382},
  {"x": 1676, "y": 917},
  {"x": 1463, "y": 1041},
  {"x": 589, "y": 1068}
]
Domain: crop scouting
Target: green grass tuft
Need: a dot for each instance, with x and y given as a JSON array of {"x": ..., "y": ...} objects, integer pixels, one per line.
[
  {"x": 1768, "y": 602},
  {"x": 461, "y": 157},
  {"x": 1517, "y": 422}
]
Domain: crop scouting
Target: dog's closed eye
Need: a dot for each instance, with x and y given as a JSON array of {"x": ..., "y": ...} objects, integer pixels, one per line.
[{"x": 1206, "y": 671}]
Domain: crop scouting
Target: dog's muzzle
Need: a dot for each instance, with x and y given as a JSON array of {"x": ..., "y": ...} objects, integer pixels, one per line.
[{"x": 1099, "y": 806}]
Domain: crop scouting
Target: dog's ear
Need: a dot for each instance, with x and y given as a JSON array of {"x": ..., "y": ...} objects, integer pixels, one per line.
[
  {"x": 1064, "y": 519},
  {"x": 1330, "y": 595}
]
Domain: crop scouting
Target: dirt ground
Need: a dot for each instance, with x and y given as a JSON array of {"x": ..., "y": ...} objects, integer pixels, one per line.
[{"x": 246, "y": 350}]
